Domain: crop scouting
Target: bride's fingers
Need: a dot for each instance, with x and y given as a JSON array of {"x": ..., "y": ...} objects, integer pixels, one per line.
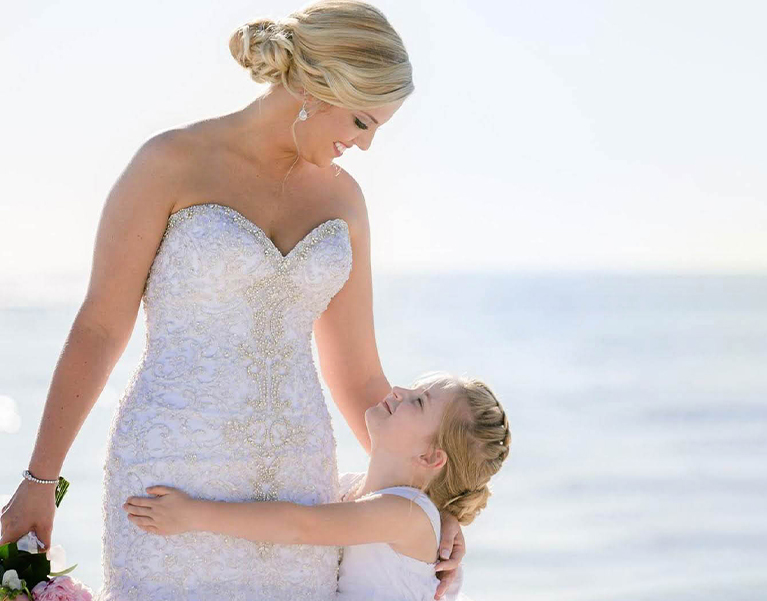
[
  {"x": 455, "y": 558},
  {"x": 445, "y": 579},
  {"x": 447, "y": 564}
]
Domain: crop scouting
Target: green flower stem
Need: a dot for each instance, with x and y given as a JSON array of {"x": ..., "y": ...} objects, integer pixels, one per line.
[{"x": 61, "y": 489}]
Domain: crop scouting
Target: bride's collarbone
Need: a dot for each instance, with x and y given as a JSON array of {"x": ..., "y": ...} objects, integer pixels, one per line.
[{"x": 282, "y": 214}]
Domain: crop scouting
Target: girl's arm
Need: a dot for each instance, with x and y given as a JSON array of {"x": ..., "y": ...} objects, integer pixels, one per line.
[{"x": 374, "y": 519}]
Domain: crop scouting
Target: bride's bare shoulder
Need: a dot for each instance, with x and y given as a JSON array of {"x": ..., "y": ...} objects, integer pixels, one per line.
[
  {"x": 180, "y": 146},
  {"x": 177, "y": 154},
  {"x": 348, "y": 193}
]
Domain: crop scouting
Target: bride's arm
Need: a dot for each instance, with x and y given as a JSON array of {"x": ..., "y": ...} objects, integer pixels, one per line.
[
  {"x": 345, "y": 334},
  {"x": 346, "y": 325},
  {"x": 378, "y": 518},
  {"x": 350, "y": 363},
  {"x": 129, "y": 230}
]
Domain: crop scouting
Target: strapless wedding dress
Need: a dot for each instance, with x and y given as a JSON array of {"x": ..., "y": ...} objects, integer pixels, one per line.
[{"x": 226, "y": 404}]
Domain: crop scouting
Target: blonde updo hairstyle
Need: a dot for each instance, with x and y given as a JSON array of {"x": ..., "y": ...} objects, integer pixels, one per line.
[
  {"x": 342, "y": 52},
  {"x": 474, "y": 433}
]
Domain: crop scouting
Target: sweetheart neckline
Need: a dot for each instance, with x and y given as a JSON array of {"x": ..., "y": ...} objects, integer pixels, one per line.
[{"x": 259, "y": 232}]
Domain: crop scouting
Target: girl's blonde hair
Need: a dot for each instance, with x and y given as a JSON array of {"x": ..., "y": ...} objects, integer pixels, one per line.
[
  {"x": 474, "y": 433},
  {"x": 343, "y": 52}
]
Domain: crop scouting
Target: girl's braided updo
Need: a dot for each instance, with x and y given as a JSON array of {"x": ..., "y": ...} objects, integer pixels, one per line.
[{"x": 475, "y": 435}]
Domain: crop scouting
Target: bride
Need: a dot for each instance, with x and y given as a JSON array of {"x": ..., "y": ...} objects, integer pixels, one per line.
[{"x": 242, "y": 239}]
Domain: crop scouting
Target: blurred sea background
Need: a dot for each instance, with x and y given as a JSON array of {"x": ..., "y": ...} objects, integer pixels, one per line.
[
  {"x": 572, "y": 206},
  {"x": 638, "y": 416}
]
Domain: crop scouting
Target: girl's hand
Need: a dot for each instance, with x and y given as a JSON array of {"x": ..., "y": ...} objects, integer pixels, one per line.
[
  {"x": 168, "y": 513},
  {"x": 452, "y": 548}
]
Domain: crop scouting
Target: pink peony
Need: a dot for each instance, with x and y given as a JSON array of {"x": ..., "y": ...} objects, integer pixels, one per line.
[{"x": 62, "y": 588}]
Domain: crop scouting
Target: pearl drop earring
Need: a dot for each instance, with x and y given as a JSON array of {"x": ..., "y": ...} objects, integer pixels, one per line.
[{"x": 302, "y": 114}]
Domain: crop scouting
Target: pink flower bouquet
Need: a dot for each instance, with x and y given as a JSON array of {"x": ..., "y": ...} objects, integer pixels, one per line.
[
  {"x": 61, "y": 588},
  {"x": 22, "y": 567}
]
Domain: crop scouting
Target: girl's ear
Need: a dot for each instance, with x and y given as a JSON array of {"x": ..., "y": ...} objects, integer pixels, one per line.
[{"x": 433, "y": 459}]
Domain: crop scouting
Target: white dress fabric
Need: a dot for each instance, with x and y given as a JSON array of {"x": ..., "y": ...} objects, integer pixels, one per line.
[
  {"x": 376, "y": 572},
  {"x": 226, "y": 404}
]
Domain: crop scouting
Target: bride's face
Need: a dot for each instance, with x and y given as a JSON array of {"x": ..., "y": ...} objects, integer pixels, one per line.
[
  {"x": 318, "y": 135},
  {"x": 407, "y": 419}
]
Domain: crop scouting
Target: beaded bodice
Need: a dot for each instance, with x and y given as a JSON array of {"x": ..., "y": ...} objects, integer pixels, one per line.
[
  {"x": 226, "y": 404},
  {"x": 218, "y": 267}
]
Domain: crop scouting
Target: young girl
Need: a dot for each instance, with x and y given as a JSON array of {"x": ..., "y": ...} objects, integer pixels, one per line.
[{"x": 433, "y": 447}]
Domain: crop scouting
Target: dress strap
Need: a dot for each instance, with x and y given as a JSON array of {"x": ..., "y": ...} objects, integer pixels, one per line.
[{"x": 423, "y": 501}]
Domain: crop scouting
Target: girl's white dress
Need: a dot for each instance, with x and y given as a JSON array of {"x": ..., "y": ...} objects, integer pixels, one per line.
[
  {"x": 376, "y": 572},
  {"x": 226, "y": 404}
]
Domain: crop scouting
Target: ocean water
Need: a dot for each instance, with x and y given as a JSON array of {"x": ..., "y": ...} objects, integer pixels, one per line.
[{"x": 638, "y": 408}]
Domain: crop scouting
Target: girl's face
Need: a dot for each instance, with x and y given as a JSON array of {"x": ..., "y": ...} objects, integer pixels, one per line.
[
  {"x": 406, "y": 421},
  {"x": 317, "y": 136}
]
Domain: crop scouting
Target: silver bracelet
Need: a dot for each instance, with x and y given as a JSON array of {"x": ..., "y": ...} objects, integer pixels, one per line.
[{"x": 29, "y": 476}]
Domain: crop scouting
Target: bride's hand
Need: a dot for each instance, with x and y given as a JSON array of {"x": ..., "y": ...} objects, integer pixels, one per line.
[
  {"x": 31, "y": 508},
  {"x": 166, "y": 514},
  {"x": 452, "y": 548}
]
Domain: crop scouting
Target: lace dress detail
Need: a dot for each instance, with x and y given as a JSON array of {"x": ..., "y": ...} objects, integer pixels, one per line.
[{"x": 226, "y": 404}]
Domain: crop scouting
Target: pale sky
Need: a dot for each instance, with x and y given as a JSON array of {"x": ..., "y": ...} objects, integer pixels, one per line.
[{"x": 547, "y": 135}]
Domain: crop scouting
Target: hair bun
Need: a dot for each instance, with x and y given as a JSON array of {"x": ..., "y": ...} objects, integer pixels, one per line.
[
  {"x": 343, "y": 52},
  {"x": 264, "y": 47},
  {"x": 468, "y": 504}
]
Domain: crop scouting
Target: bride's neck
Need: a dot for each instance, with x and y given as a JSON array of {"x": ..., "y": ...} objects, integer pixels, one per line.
[{"x": 262, "y": 130}]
